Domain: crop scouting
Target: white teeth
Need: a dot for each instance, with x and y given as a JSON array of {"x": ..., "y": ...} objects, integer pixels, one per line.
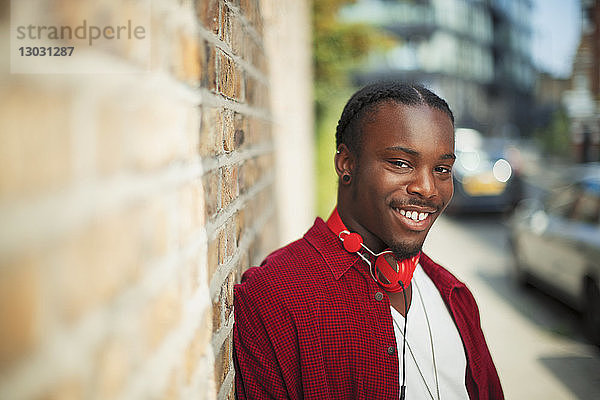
[{"x": 414, "y": 215}]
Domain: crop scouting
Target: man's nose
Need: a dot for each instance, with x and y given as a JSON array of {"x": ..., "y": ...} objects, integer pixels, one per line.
[{"x": 423, "y": 185}]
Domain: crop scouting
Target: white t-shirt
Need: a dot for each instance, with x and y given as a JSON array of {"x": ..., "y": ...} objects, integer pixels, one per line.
[{"x": 450, "y": 360}]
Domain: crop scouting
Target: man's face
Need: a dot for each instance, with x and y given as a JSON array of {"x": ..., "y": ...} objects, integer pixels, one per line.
[{"x": 402, "y": 180}]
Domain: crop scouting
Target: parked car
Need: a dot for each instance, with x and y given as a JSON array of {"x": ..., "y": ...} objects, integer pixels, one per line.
[
  {"x": 485, "y": 175},
  {"x": 556, "y": 245}
]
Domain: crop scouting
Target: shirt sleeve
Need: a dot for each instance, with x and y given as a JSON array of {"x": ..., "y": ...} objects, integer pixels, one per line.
[{"x": 265, "y": 351}]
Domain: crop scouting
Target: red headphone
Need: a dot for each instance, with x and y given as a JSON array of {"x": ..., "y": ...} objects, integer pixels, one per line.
[{"x": 386, "y": 270}]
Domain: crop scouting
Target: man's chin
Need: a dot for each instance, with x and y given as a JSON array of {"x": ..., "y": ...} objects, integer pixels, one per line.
[{"x": 402, "y": 251}]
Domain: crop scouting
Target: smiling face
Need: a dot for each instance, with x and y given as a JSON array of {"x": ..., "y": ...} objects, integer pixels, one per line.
[{"x": 401, "y": 179}]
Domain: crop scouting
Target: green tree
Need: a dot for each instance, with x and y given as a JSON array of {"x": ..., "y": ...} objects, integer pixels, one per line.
[
  {"x": 338, "y": 47},
  {"x": 554, "y": 137}
]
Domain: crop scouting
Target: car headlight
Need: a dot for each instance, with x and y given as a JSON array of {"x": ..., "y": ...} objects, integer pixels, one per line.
[{"x": 502, "y": 170}]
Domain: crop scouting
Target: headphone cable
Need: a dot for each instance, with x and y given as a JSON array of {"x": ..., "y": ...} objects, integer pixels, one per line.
[{"x": 403, "y": 387}]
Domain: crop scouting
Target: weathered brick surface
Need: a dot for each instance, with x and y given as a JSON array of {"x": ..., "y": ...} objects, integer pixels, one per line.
[
  {"x": 137, "y": 201},
  {"x": 20, "y": 300},
  {"x": 44, "y": 136}
]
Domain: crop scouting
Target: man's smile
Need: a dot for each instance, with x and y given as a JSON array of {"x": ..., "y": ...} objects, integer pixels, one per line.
[{"x": 415, "y": 218}]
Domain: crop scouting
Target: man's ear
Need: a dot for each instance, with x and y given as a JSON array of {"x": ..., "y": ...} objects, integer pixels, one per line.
[{"x": 344, "y": 163}]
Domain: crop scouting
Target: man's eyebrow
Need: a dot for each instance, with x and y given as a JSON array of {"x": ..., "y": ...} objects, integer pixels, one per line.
[
  {"x": 412, "y": 152},
  {"x": 449, "y": 156},
  {"x": 404, "y": 149}
]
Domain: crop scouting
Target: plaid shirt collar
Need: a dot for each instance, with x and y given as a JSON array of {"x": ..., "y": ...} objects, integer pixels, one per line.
[
  {"x": 340, "y": 261},
  {"x": 331, "y": 249}
]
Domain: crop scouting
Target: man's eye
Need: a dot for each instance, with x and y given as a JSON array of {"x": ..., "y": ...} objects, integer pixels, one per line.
[
  {"x": 443, "y": 170},
  {"x": 400, "y": 163}
]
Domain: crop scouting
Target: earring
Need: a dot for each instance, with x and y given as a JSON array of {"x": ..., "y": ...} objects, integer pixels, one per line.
[{"x": 346, "y": 178}]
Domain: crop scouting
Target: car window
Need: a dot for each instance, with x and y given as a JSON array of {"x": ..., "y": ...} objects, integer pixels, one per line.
[{"x": 587, "y": 207}]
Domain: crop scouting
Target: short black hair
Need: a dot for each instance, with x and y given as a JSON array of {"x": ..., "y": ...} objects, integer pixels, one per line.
[{"x": 364, "y": 100}]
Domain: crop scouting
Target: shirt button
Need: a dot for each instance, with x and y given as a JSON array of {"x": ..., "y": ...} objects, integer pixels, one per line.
[
  {"x": 378, "y": 296},
  {"x": 390, "y": 350}
]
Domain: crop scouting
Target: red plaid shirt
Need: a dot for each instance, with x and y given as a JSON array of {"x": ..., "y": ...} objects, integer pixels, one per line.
[{"x": 309, "y": 326}]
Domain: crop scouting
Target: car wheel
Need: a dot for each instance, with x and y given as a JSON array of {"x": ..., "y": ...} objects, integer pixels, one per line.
[{"x": 591, "y": 313}]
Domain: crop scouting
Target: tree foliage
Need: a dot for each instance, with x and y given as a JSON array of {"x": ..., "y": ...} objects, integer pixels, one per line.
[
  {"x": 554, "y": 137},
  {"x": 338, "y": 46}
]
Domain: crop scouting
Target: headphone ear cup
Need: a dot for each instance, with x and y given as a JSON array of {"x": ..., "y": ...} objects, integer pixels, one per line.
[
  {"x": 393, "y": 271},
  {"x": 353, "y": 242}
]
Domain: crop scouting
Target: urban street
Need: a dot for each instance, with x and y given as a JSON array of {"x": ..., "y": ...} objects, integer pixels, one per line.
[{"x": 536, "y": 342}]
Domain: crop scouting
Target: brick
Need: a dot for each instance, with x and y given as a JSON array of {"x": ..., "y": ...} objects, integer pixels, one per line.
[
  {"x": 20, "y": 301},
  {"x": 212, "y": 258},
  {"x": 226, "y": 242},
  {"x": 259, "y": 129},
  {"x": 198, "y": 214},
  {"x": 217, "y": 314},
  {"x": 246, "y": 7},
  {"x": 96, "y": 262},
  {"x": 253, "y": 131},
  {"x": 35, "y": 125},
  {"x": 208, "y": 13},
  {"x": 161, "y": 316},
  {"x": 266, "y": 163},
  {"x": 114, "y": 366},
  {"x": 230, "y": 78},
  {"x": 211, "y": 136},
  {"x": 228, "y": 129},
  {"x": 227, "y": 20},
  {"x": 229, "y": 185},
  {"x": 240, "y": 128},
  {"x": 222, "y": 362},
  {"x": 256, "y": 92},
  {"x": 212, "y": 185},
  {"x": 222, "y": 245},
  {"x": 251, "y": 50},
  {"x": 209, "y": 72},
  {"x": 252, "y": 13},
  {"x": 245, "y": 176},
  {"x": 238, "y": 37},
  {"x": 188, "y": 68},
  {"x": 227, "y": 298},
  {"x": 231, "y": 242},
  {"x": 239, "y": 225},
  {"x": 251, "y": 90}
]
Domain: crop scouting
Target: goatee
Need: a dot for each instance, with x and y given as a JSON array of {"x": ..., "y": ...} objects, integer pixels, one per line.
[{"x": 403, "y": 251}]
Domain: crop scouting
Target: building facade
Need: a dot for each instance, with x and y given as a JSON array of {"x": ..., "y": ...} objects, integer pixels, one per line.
[
  {"x": 582, "y": 100},
  {"x": 475, "y": 53}
]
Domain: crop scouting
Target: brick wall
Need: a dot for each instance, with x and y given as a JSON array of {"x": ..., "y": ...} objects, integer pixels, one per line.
[{"x": 131, "y": 203}]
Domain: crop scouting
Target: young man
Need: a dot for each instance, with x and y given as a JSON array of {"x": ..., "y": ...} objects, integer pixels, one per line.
[{"x": 354, "y": 309}]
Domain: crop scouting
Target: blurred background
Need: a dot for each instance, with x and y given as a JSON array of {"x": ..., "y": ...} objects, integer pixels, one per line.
[
  {"x": 523, "y": 229},
  {"x": 133, "y": 199}
]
